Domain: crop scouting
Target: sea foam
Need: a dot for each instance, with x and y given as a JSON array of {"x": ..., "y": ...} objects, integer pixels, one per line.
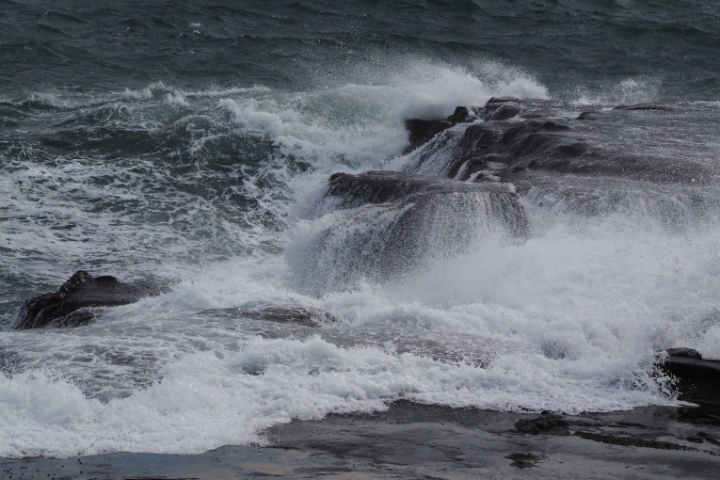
[{"x": 567, "y": 321}]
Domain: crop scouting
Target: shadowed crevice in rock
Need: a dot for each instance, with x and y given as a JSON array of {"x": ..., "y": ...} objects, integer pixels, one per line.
[{"x": 422, "y": 131}]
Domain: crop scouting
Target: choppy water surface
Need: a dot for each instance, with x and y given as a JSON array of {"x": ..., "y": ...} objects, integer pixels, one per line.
[{"x": 183, "y": 143}]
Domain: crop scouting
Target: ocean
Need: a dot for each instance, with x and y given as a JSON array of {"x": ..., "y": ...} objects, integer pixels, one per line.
[{"x": 188, "y": 144}]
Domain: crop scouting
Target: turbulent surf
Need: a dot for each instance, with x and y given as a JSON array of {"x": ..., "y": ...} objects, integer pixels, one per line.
[{"x": 301, "y": 221}]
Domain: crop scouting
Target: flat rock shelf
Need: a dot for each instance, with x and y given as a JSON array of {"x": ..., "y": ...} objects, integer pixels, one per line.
[{"x": 433, "y": 442}]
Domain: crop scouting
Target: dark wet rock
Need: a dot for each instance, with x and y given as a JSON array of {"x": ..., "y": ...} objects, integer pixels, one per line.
[
  {"x": 502, "y": 112},
  {"x": 523, "y": 460},
  {"x": 548, "y": 423},
  {"x": 421, "y": 131},
  {"x": 478, "y": 137},
  {"x": 461, "y": 114},
  {"x": 499, "y": 109},
  {"x": 588, "y": 115},
  {"x": 70, "y": 305},
  {"x": 287, "y": 313},
  {"x": 644, "y": 107},
  {"x": 708, "y": 438},
  {"x": 589, "y": 168},
  {"x": 684, "y": 352},
  {"x": 631, "y": 441},
  {"x": 537, "y": 144},
  {"x": 494, "y": 202},
  {"x": 383, "y": 187},
  {"x": 698, "y": 379},
  {"x": 566, "y": 145},
  {"x": 693, "y": 368},
  {"x": 496, "y": 102},
  {"x": 488, "y": 168}
]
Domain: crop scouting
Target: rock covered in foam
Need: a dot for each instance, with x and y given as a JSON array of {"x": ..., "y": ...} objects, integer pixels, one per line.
[
  {"x": 494, "y": 206},
  {"x": 422, "y": 130},
  {"x": 543, "y": 137},
  {"x": 380, "y": 224},
  {"x": 383, "y": 186},
  {"x": 69, "y": 306},
  {"x": 598, "y": 162},
  {"x": 279, "y": 313}
]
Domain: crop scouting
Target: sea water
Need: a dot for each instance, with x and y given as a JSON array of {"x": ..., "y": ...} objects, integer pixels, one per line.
[{"x": 184, "y": 145}]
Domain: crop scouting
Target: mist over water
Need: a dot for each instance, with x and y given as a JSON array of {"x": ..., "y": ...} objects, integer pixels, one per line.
[{"x": 204, "y": 172}]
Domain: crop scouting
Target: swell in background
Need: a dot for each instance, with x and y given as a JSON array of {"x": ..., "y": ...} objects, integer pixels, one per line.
[{"x": 105, "y": 46}]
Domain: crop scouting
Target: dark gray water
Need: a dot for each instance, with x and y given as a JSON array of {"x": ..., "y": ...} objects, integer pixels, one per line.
[{"x": 567, "y": 45}]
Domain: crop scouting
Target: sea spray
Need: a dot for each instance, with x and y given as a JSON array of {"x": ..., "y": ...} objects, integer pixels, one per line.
[{"x": 208, "y": 190}]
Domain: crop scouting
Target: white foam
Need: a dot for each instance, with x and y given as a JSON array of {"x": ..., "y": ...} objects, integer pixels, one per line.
[
  {"x": 573, "y": 315},
  {"x": 209, "y": 399},
  {"x": 627, "y": 92}
]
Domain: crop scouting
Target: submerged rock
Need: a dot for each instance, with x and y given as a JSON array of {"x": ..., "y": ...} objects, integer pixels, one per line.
[
  {"x": 69, "y": 306},
  {"x": 644, "y": 106},
  {"x": 280, "y": 313},
  {"x": 547, "y": 423}
]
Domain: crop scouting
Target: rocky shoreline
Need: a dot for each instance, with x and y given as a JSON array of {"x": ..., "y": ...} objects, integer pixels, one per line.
[
  {"x": 478, "y": 171},
  {"x": 433, "y": 442}
]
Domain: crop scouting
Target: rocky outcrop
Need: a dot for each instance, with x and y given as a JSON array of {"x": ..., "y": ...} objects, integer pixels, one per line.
[
  {"x": 631, "y": 159},
  {"x": 377, "y": 225},
  {"x": 72, "y": 304},
  {"x": 421, "y": 198},
  {"x": 698, "y": 379},
  {"x": 465, "y": 174},
  {"x": 421, "y": 130},
  {"x": 534, "y": 141},
  {"x": 81, "y": 298}
]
